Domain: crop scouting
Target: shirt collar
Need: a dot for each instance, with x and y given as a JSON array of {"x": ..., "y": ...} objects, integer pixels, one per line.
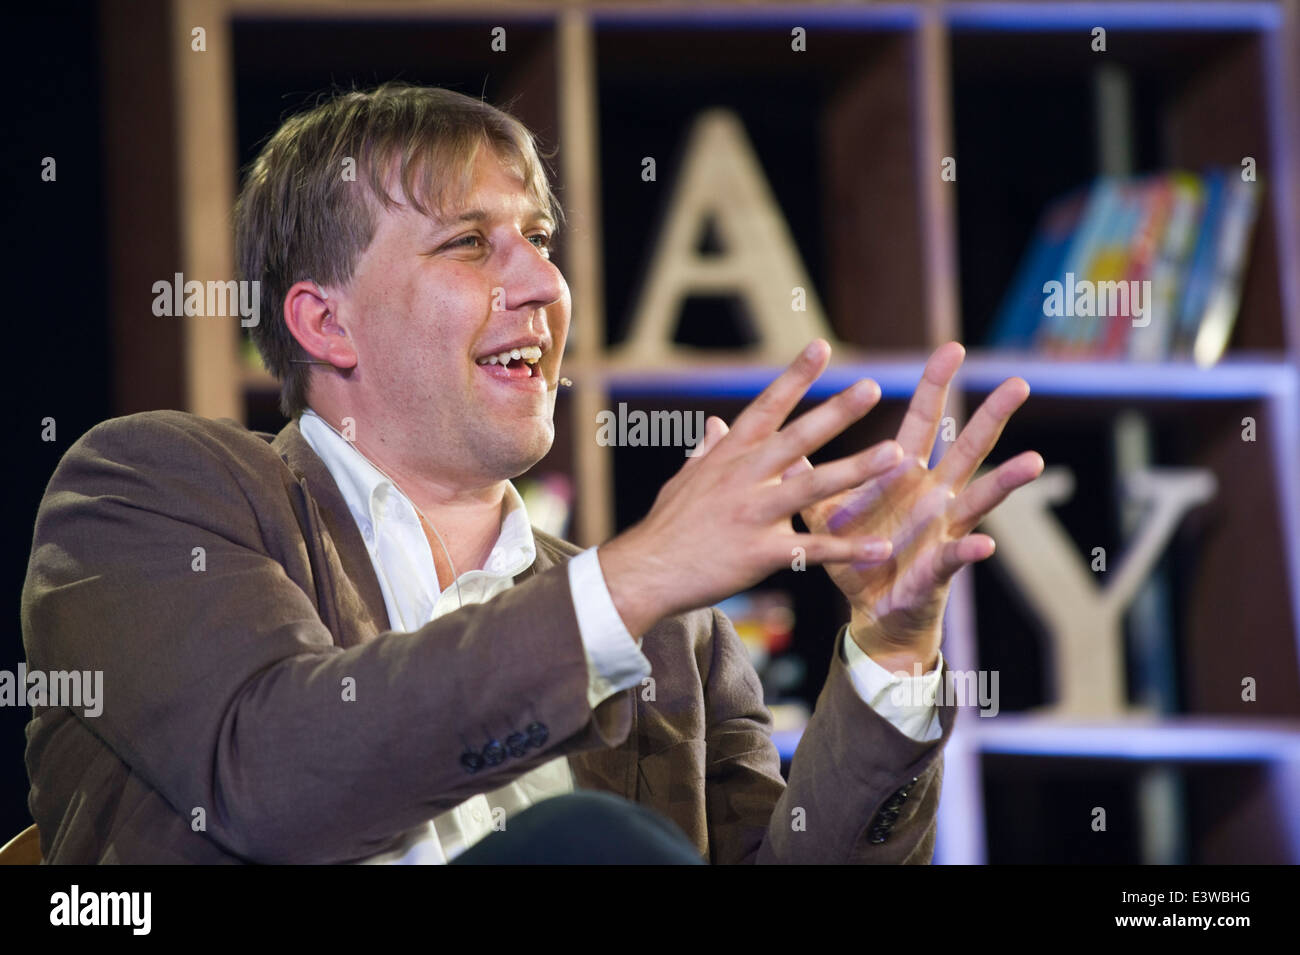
[{"x": 366, "y": 491}]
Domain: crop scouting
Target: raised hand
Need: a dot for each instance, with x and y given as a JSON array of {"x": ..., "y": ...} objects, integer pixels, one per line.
[
  {"x": 929, "y": 515},
  {"x": 722, "y": 523}
]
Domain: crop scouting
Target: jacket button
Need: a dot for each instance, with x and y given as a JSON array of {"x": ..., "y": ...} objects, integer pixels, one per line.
[
  {"x": 494, "y": 752},
  {"x": 472, "y": 762},
  {"x": 537, "y": 734},
  {"x": 517, "y": 744}
]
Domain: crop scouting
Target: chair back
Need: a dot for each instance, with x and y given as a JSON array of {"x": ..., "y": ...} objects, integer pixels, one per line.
[{"x": 22, "y": 849}]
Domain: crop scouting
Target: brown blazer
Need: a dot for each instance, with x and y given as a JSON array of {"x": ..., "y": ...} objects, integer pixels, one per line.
[{"x": 225, "y": 735}]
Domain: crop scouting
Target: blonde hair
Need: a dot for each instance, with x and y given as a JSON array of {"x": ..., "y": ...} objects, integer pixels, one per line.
[{"x": 300, "y": 216}]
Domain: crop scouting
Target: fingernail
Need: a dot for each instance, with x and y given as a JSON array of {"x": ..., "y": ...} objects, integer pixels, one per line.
[
  {"x": 893, "y": 451},
  {"x": 876, "y": 549}
]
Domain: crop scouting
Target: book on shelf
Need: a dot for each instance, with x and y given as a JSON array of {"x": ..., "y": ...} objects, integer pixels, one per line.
[
  {"x": 1141, "y": 268},
  {"x": 1204, "y": 329}
]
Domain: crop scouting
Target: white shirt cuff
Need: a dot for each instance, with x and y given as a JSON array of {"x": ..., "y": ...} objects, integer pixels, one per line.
[
  {"x": 906, "y": 701},
  {"x": 614, "y": 660}
]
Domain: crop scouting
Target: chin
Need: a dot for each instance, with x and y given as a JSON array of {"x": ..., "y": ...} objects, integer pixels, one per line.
[{"x": 524, "y": 456}]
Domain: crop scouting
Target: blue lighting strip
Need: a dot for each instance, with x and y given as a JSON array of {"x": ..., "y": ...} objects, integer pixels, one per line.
[
  {"x": 1171, "y": 741},
  {"x": 896, "y": 379},
  {"x": 1198, "y": 740},
  {"x": 1042, "y": 17},
  {"x": 890, "y": 16},
  {"x": 1002, "y": 17},
  {"x": 1235, "y": 378},
  {"x": 1232, "y": 378}
]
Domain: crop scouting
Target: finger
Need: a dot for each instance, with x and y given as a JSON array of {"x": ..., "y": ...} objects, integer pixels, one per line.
[
  {"x": 992, "y": 489},
  {"x": 814, "y": 428},
  {"x": 925, "y": 411},
  {"x": 803, "y": 464},
  {"x": 808, "y": 487},
  {"x": 981, "y": 433},
  {"x": 829, "y": 549},
  {"x": 954, "y": 555},
  {"x": 766, "y": 413},
  {"x": 715, "y": 429}
]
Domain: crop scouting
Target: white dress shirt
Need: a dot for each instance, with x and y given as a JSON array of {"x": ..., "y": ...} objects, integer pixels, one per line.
[{"x": 403, "y": 562}]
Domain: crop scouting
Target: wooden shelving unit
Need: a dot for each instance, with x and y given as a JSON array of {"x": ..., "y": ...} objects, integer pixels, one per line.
[{"x": 852, "y": 134}]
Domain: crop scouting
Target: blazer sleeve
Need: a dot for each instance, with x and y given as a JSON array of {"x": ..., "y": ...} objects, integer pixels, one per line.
[
  {"x": 224, "y": 690},
  {"x": 851, "y": 766}
]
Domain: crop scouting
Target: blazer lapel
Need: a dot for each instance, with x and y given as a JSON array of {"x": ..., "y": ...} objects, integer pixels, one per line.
[
  {"x": 341, "y": 534},
  {"x": 609, "y": 769}
]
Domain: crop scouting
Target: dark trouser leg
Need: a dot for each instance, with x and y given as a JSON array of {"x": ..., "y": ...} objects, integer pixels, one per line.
[{"x": 584, "y": 828}]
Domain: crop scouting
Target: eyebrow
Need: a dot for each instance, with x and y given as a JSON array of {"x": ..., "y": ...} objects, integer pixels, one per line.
[{"x": 535, "y": 214}]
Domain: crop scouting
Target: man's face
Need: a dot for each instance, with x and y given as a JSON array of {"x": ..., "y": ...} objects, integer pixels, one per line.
[{"x": 435, "y": 305}]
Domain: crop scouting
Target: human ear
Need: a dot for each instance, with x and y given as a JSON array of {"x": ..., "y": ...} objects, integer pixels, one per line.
[{"x": 312, "y": 319}]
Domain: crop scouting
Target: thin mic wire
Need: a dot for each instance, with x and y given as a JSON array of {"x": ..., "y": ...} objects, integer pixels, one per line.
[{"x": 455, "y": 577}]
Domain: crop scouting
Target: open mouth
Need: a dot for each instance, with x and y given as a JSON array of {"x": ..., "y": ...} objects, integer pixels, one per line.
[{"x": 514, "y": 364}]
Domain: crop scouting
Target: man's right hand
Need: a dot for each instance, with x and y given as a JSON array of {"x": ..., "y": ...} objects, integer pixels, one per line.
[{"x": 722, "y": 523}]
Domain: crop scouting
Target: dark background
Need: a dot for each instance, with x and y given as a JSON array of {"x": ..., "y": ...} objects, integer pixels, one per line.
[{"x": 56, "y": 297}]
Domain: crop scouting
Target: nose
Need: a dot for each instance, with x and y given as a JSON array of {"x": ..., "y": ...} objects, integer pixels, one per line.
[{"x": 532, "y": 280}]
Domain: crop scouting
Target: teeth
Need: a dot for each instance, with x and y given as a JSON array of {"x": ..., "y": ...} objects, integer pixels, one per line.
[{"x": 529, "y": 353}]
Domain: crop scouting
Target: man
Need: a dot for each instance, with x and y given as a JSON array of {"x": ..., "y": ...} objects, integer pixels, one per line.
[{"x": 346, "y": 644}]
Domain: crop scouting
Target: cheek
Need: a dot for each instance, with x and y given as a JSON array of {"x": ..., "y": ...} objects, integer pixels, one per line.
[
  {"x": 455, "y": 308},
  {"x": 435, "y": 328},
  {"x": 447, "y": 326}
]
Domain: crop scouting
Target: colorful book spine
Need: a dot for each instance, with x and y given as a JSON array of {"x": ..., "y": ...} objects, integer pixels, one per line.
[
  {"x": 1200, "y": 271},
  {"x": 1237, "y": 226},
  {"x": 1055, "y": 331},
  {"x": 1169, "y": 274},
  {"x": 1104, "y": 273},
  {"x": 1021, "y": 310},
  {"x": 1153, "y": 200}
]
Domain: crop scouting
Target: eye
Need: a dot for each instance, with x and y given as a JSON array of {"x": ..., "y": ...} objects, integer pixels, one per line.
[
  {"x": 465, "y": 242},
  {"x": 543, "y": 242}
]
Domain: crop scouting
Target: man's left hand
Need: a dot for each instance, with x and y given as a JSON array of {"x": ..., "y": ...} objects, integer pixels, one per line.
[{"x": 928, "y": 514}]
